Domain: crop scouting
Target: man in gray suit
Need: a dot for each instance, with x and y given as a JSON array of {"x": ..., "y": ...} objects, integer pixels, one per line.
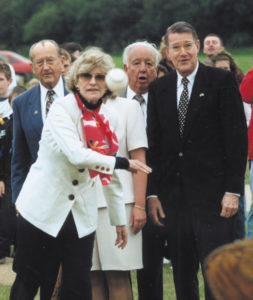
[{"x": 140, "y": 63}]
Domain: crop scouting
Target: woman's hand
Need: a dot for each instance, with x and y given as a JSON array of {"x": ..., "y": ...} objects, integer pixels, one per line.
[
  {"x": 138, "y": 219},
  {"x": 136, "y": 165},
  {"x": 2, "y": 189},
  {"x": 121, "y": 240}
]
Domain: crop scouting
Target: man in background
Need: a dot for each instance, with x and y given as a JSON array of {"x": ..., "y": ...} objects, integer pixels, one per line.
[{"x": 140, "y": 63}]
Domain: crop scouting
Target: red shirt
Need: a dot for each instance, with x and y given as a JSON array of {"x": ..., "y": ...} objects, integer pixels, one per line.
[{"x": 246, "y": 89}]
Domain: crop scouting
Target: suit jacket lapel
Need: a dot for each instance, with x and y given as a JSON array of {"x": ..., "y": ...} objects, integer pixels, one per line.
[
  {"x": 169, "y": 96},
  {"x": 64, "y": 85},
  {"x": 198, "y": 96},
  {"x": 34, "y": 116}
]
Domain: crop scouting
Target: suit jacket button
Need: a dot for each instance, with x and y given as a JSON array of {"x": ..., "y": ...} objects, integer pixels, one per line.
[
  {"x": 102, "y": 168},
  {"x": 75, "y": 182},
  {"x": 180, "y": 154},
  {"x": 97, "y": 167},
  {"x": 71, "y": 197},
  {"x": 107, "y": 169},
  {"x": 81, "y": 170},
  {"x": 178, "y": 174}
]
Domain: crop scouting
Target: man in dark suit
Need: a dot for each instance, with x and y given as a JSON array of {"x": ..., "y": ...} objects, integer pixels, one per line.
[
  {"x": 29, "y": 113},
  {"x": 197, "y": 138}
]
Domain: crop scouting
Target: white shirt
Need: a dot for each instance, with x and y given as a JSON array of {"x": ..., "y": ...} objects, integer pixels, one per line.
[
  {"x": 5, "y": 108},
  {"x": 130, "y": 94},
  {"x": 59, "y": 93},
  {"x": 180, "y": 86},
  {"x": 14, "y": 80}
]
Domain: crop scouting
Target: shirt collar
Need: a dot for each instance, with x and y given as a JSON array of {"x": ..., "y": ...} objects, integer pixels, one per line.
[
  {"x": 58, "y": 89},
  {"x": 191, "y": 77},
  {"x": 131, "y": 94}
]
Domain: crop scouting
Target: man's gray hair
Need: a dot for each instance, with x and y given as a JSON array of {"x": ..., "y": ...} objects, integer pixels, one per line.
[
  {"x": 43, "y": 42},
  {"x": 141, "y": 43}
]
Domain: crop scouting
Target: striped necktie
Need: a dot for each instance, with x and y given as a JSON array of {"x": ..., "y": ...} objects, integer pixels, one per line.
[{"x": 139, "y": 98}]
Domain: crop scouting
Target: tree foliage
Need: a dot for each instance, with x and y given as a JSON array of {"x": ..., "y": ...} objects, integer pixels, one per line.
[{"x": 112, "y": 24}]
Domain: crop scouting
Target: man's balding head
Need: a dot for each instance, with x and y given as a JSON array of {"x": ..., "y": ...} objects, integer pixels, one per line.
[
  {"x": 140, "y": 63},
  {"x": 46, "y": 62}
]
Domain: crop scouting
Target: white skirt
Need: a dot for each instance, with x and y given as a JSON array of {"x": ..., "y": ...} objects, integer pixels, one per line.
[{"x": 107, "y": 256}]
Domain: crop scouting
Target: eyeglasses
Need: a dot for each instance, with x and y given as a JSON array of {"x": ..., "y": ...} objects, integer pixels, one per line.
[
  {"x": 88, "y": 76},
  {"x": 177, "y": 48},
  {"x": 48, "y": 61}
]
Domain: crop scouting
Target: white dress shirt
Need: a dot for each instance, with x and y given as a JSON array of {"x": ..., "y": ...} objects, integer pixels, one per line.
[
  {"x": 59, "y": 93},
  {"x": 130, "y": 94},
  {"x": 180, "y": 86}
]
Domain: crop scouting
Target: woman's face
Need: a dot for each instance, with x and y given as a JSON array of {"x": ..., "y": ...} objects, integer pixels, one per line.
[
  {"x": 223, "y": 64},
  {"x": 92, "y": 85}
]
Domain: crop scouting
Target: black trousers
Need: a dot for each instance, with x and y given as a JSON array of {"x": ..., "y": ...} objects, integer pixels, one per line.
[
  {"x": 7, "y": 221},
  {"x": 39, "y": 255},
  {"x": 186, "y": 239}
]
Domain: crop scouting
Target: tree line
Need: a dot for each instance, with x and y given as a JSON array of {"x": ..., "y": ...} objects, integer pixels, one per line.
[{"x": 112, "y": 24}]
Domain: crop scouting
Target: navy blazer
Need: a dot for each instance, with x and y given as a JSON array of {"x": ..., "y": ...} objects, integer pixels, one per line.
[
  {"x": 210, "y": 159},
  {"x": 27, "y": 128}
]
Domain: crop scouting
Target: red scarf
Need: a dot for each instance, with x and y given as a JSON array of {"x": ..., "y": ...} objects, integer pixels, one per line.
[{"x": 99, "y": 136}]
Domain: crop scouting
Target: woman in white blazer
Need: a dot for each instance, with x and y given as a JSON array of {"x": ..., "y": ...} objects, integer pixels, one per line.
[{"x": 58, "y": 201}]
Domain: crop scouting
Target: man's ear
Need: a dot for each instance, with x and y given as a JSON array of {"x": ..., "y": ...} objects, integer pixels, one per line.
[
  {"x": 32, "y": 68},
  {"x": 10, "y": 81},
  {"x": 125, "y": 68},
  {"x": 198, "y": 45},
  {"x": 167, "y": 53}
]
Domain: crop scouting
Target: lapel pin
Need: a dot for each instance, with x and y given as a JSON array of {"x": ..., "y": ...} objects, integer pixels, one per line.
[
  {"x": 36, "y": 112},
  {"x": 201, "y": 95}
]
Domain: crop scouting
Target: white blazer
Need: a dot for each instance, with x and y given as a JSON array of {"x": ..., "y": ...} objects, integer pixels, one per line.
[
  {"x": 131, "y": 134},
  {"x": 59, "y": 182}
]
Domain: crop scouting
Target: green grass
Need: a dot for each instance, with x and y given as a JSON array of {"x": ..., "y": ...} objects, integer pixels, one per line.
[
  {"x": 168, "y": 293},
  {"x": 5, "y": 292}
]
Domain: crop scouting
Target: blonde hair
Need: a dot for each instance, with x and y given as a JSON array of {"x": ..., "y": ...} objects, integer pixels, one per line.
[{"x": 87, "y": 61}]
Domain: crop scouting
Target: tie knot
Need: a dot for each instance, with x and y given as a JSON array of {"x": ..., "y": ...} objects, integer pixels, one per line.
[
  {"x": 185, "y": 81},
  {"x": 50, "y": 93},
  {"x": 139, "y": 98}
]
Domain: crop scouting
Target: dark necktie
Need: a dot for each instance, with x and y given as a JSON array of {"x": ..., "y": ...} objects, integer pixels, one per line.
[
  {"x": 50, "y": 99},
  {"x": 183, "y": 105},
  {"x": 139, "y": 98}
]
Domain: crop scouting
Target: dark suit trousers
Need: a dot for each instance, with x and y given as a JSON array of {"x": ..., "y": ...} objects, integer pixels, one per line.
[
  {"x": 150, "y": 278},
  {"x": 190, "y": 235},
  {"x": 7, "y": 221},
  {"x": 39, "y": 255}
]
